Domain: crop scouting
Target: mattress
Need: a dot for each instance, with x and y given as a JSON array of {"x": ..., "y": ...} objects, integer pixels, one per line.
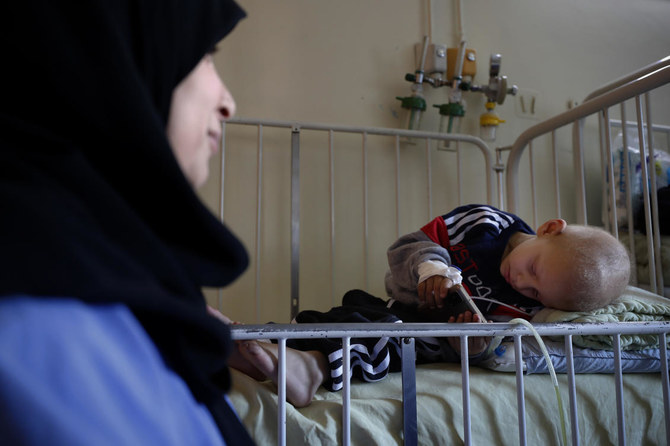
[{"x": 376, "y": 409}]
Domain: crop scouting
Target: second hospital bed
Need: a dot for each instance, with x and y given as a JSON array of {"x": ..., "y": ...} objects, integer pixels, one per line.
[{"x": 323, "y": 246}]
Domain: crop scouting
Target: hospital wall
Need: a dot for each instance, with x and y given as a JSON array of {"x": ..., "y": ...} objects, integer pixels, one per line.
[{"x": 344, "y": 62}]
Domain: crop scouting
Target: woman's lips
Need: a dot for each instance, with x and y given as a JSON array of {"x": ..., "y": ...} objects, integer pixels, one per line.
[{"x": 214, "y": 139}]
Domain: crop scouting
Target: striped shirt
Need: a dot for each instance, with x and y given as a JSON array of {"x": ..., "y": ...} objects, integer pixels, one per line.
[{"x": 475, "y": 237}]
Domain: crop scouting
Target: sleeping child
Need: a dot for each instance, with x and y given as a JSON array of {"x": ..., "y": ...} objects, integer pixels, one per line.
[{"x": 509, "y": 270}]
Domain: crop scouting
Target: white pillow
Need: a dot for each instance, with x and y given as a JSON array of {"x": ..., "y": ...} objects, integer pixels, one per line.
[{"x": 585, "y": 360}]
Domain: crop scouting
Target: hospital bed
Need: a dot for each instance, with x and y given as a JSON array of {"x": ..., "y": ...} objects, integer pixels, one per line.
[{"x": 316, "y": 227}]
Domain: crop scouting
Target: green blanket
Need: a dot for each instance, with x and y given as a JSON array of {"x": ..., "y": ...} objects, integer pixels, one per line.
[
  {"x": 635, "y": 305},
  {"x": 376, "y": 409}
]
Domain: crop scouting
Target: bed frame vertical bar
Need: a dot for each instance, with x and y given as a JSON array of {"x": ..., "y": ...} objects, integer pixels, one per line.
[
  {"x": 614, "y": 227},
  {"x": 645, "y": 194},
  {"x": 222, "y": 172},
  {"x": 578, "y": 166},
  {"x": 366, "y": 234},
  {"x": 656, "y": 240},
  {"x": 222, "y": 169},
  {"x": 409, "y": 409},
  {"x": 499, "y": 168},
  {"x": 429, "y": 181},
  {"x": 663, "y": 346},
  {"x": 331, "y": 196},
  {"x": 465, "y": 385},
  {"x": 259, "y": 201},
  {"x": 295, "y": 220},
  {"x": 281, "y": 392},
  {"x": 629, "y": 195},
  {"x": 397, "y": 186},
  {"x": 604, "y": 186},
  {"x": 520, "y": 401},
  {"x": 531, "y": 167},
  {"x": 574, "y": 420},
  {"x": 346, "y": 391},
  {"x": 618, "y": 377},
  {"x": 459, "y": 163},
  {"x": 557, "y": 181}
]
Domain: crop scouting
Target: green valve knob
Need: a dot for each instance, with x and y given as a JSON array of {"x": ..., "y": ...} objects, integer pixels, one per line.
[
  {"x": 451, "y": 109},
  {"x": 412, "y": 102}
]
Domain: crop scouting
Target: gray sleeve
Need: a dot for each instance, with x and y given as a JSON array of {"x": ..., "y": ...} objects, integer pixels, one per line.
[{"x": 404, "y": 258}]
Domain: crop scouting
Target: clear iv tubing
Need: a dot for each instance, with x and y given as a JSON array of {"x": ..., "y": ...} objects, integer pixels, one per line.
[{"x": 552, "y": 372}]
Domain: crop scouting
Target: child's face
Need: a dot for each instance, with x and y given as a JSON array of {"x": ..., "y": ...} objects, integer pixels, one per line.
[
  {"x": 537, "y": 270},
  {"x": 199, "y": 104}
]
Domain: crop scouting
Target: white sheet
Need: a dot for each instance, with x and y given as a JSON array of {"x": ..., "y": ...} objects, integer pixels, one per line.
[{"x": 376, "y": 410}]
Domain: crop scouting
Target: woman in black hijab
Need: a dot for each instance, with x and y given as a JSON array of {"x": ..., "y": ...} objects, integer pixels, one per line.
[{"x": 104, "y": 245}]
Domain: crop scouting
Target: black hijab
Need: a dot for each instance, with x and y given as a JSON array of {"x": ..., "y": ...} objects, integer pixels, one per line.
[{"x": 93, "y": 204}]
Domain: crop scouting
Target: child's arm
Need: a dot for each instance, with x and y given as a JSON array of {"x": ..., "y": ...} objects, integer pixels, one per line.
[
  {"x": 433, "y": 291},
  {"x": 436, "y": 280},
  {"x": 404, "y": 258}
]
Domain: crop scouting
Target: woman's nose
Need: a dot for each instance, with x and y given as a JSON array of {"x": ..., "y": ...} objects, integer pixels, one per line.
[{"x": 227, "y": 106}]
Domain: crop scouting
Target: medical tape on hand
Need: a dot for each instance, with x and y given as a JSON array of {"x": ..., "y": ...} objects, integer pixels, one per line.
[{"x": 431, "y": 268}]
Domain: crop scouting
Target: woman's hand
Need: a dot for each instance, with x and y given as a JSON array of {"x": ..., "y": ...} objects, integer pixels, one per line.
[{"x": 217, "y": 314}]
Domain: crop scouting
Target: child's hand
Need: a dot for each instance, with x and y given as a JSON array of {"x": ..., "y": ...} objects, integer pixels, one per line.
[
  {"x": 475, "y": 345},
  {"x": 433, "y": 291}
]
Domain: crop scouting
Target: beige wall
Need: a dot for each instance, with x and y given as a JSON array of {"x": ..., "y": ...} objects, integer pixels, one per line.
[{"x": 344, "y": 62}]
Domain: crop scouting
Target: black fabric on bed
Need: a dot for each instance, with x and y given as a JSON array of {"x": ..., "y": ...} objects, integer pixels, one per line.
[
  {"x": 373, "y": 353},
  {"x": 663, "y": 196},
  {"x": 94, "y": 205},
  {"x": 664, "y": 210}
]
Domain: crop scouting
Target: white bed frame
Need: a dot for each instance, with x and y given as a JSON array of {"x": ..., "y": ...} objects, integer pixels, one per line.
[
  {"x": 600, "y": 104},
  {"x": 497, "y": 172}
]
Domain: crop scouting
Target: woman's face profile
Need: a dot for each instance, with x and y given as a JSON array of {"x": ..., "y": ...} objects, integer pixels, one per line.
[{"x": 200, "y": 102}]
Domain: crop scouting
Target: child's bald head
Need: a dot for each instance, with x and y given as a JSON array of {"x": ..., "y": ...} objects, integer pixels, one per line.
[{"x": 599, "y": 266}]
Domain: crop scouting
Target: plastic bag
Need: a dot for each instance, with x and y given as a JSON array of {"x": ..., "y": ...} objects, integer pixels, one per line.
[{"x": 661, "y": 169}]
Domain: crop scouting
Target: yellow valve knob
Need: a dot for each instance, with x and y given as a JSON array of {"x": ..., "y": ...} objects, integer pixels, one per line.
[{"x": 490, "y": 118}]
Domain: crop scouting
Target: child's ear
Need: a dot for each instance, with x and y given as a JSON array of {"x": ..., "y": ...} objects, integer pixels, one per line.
[{"x": 552, "y": 227}]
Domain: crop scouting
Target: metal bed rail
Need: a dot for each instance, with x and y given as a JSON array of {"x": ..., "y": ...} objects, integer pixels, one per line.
[
  {"x": 655, "y": 128},
  {"x": 633, "y": 89},
  {"x": 408, "y": 331},
  {"x": 636, "y": 87},
  {"x": 296, "y": 129},
  {"x": 646, "y": 134}
]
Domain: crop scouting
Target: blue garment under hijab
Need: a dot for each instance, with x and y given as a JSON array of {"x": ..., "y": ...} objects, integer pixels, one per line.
[{"x": 95, "y": 207}]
